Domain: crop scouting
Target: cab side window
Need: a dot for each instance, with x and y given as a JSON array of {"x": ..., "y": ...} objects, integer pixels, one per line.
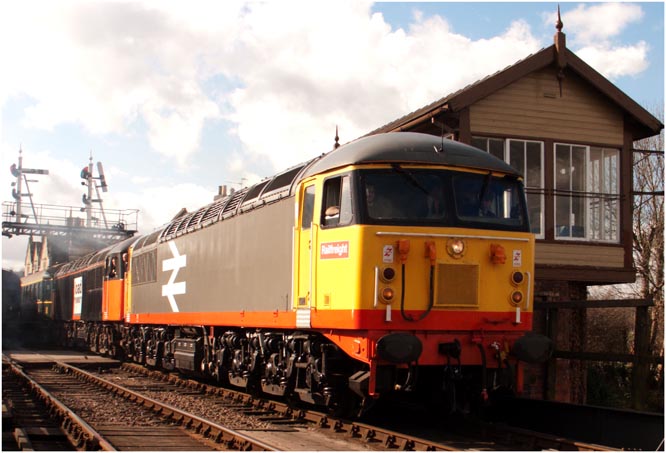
[
  {"x": 112, "y": 270},
  {"x": 308, "y": 208},
  {"x": 337, "y": 203}
]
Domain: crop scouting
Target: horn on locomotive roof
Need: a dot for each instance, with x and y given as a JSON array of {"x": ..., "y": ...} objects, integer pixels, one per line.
[
  {"x": 443, "y": 126},
  {"x": 337, "y": 139}
]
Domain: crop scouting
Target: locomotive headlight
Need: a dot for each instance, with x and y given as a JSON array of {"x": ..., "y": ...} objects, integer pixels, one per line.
[
  {"x": 387, "y": 274},
  {"x": 386, "y": 295},
  {"x": 455, "y": 248},
  {"x": 517, "y": 278},
  {"x": 516, "y": 297}
]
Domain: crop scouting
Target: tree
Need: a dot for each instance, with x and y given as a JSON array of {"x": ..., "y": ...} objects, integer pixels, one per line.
[
  {"x": 618, "y": 328},
  {"x": 648, "y": 246},
  {"x": 648, "y": 231}
]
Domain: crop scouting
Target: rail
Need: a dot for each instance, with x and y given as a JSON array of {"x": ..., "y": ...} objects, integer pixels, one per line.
[
  {"x": 79, "y": 432},
  {"x": 372, "y": 434},
  {"x": 232, "y": 439}
]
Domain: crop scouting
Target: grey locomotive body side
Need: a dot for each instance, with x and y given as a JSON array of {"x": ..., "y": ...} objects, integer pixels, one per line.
[{"x": 240, "y": 264}]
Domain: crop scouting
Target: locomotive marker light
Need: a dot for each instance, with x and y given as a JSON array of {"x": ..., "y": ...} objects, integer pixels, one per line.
[
  {"x": 388, "y": 274},
  {"x": 497, "y": 254},
  {"x": 387, "y": 295},
  {"x": 172, "y": 287},
  {"x": 403, "y": 250},
  {"x": 455, "y": 248},
  {"x": 516, "y": 297},
  {"x": 431, "y": 252},
  {"x": 517, "y": 278}
]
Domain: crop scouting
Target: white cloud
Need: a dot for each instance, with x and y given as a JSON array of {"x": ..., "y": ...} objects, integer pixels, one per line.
[
  {"x": 618, "y": 61},
  {"x": 595, "y": 23},
  {"x": 293, "y": 71},
  {"x": 158, "y": 205},
  {"x": 13, "y": 252},
  {"x": 346, "y": 67},
  {"x": 300, "y": 68},
  {"x": 593, "y": 33},
  {"x": 106, "y": 64}
]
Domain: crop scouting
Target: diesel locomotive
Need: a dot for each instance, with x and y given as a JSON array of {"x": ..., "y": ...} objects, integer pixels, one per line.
[{"x": 397, "y": 263}]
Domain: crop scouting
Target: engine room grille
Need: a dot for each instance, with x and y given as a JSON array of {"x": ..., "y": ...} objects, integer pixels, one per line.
[
  {"x": 144, "y": 268},
  {"x": 457, "y": 284}
]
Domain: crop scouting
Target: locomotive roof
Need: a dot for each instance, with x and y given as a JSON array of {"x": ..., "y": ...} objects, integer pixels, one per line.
[
  {"x": 394, "y": 147},
  {"x": 94, "y": 257},
  {"x": 408, "y": 148}
]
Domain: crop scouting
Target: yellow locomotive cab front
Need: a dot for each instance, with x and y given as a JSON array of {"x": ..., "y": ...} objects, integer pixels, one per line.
[{"x": 428, "y": 265}]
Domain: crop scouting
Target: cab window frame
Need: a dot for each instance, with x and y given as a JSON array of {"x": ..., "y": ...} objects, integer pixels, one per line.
[
  {"x": 308, "y": 206},
  {"x": 452, "y": 218},
  {"x": 338, "y": 192}
]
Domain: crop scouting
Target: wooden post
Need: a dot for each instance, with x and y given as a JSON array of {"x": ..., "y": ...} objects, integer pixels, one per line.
[
  {"x": 641, "y": 370},
  {"x": 550, "y": 381}
]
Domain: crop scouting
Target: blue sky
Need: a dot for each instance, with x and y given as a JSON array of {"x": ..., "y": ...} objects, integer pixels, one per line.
[{"x": 177, "y": 98}]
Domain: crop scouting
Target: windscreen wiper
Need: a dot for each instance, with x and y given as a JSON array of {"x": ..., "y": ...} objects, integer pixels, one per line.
[
  {"x": 484, "y": 187},
  {"x": 410, "y": 177}
]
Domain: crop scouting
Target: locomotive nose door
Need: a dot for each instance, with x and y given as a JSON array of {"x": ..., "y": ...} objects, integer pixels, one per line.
[{"x": 304, "y": 261}]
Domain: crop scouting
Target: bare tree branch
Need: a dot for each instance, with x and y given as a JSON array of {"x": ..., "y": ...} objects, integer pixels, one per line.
[{"x": 648, "y": 229}]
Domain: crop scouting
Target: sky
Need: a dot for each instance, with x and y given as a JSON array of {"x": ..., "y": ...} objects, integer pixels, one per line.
[{"x": 176, "y": 98}]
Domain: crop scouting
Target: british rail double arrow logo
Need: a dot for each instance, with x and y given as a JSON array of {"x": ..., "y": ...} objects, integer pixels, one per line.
[{"x": 174, "y": 265}]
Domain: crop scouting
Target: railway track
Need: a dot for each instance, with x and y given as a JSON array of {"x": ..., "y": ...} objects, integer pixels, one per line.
[
  {"x": 95, "y": 418},
  {"x": 26, "y": 421},
  {"x": 403, "y": 435},
  {"x": 100, "y": 414},
  {"x": 211, "y": 414}
]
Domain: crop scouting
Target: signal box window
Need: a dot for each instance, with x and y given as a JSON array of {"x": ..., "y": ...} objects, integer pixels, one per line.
[
  {"x": 587, "y": 193},
  {"x": 337, "y": 203},
  {"x": 494, "y": 146},
  {"x": 604, "y": 180},
  {"x": 527, "y": 157}
]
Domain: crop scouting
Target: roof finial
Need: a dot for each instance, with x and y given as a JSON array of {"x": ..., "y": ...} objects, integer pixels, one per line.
[
  {"x": 560, "y": 49},
  {"x": 337, "y": 143}
]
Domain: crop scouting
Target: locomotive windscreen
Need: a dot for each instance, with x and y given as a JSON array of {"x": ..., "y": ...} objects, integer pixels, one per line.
[{"x": 405, "y": 196}]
